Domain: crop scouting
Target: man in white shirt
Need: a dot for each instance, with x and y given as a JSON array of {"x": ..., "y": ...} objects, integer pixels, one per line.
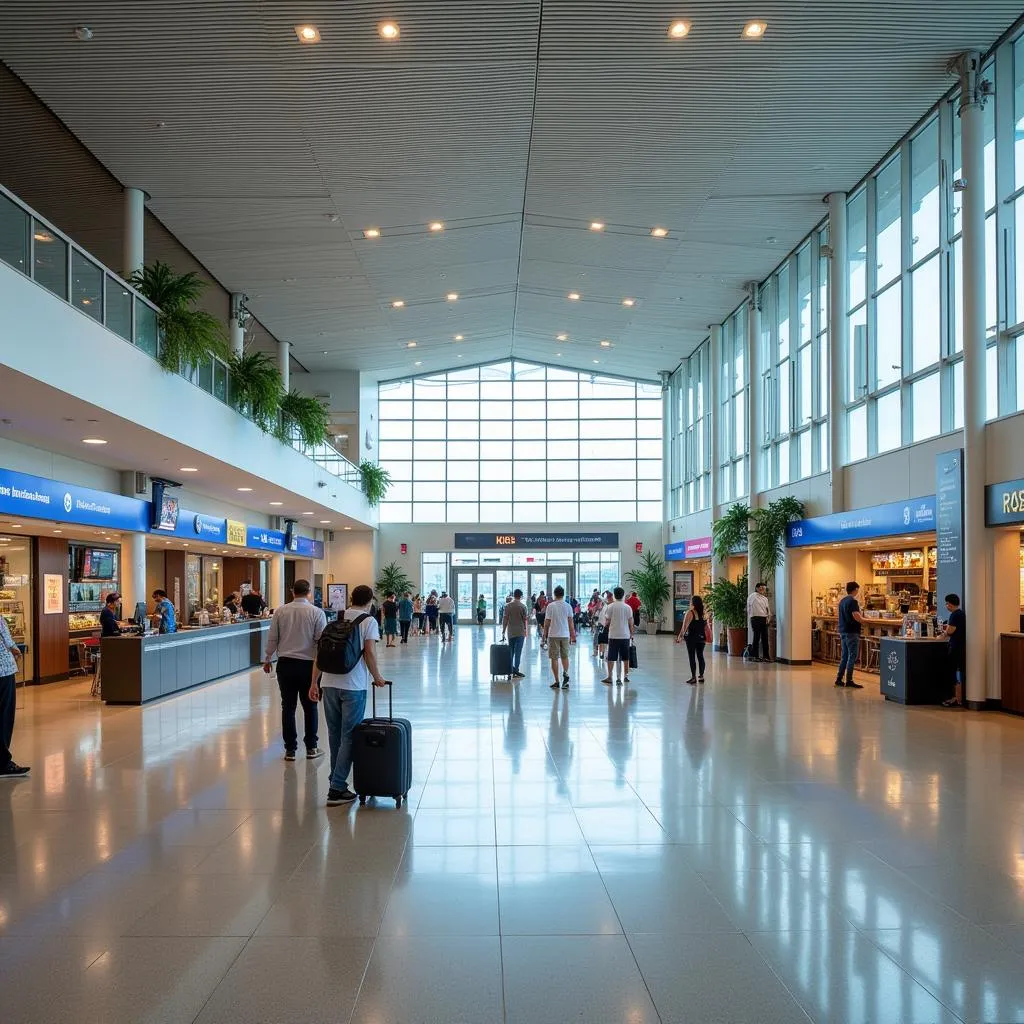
[
  {"x": 559, "y": 632},
  {"x": 618, "y": 618},
  {"x": 344, "y": 696},
  {"x": 293, "y": 635},
  {"x": 446, "y": 615},
  {"x": 758, "y": 611}
]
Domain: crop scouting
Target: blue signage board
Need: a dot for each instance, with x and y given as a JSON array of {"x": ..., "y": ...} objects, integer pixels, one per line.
[
  {"x": 196, "y": 526},
  {"x": 310, "y": 548},
  {"x": 949, "y": 516},
  {"x": 891, "y": 520},
  {"x": 675, "y": 551},
  {"x": 38, "y": 498}
]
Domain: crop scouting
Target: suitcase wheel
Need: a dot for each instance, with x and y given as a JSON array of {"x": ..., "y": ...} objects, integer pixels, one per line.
[
  {"x": 398, "y": 801},
  {"x": 362, "y": 801}
]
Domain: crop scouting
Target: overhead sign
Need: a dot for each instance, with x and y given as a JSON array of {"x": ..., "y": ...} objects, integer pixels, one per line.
[
  {"x": 891, "y": 520},
  {"x": 484, "y": 541},
  {"x": 35, "y": 497},
  {"x": 236, "y": 533},
  {"x": 949, "y": 521},
  {"x": 698, "y": 548},
  {"x": 1004, "y": 503}
]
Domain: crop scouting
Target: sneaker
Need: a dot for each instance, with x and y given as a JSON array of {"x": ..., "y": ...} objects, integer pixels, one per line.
[
  {"x": 14, "y": 771},
  {"x": 607, "y": 681},
  {"x": 625, "y": 679},
  {"x": 851, "y": 685},
  {"x": 340, "y": 796},
  {"x": 289, "y": 755},
  {"x": 565, "y": 677},
  {"x": 565, "y": 685},
  {"x": 700, "y": 679},
  {"x": 312, "y": 755},
  {"x": 518, "y": 675},
  {"x": 691, "y": 682},
  {"x": 554, "y": 685},
  {"x": 839, "y": 682},
  {"x": 618, "y": 682}
]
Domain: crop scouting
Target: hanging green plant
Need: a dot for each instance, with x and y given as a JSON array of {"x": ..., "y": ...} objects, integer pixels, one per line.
[
  {"x": 393, "y": 579},
  {"x": 729, "y": 533},
  {"x": 255, "y": 388},
  {"x": 651, "y": 586},
  {"x": 376, "y": 481},
  {"x": 768, "y": 537},
  {"x": 307, "y": 415},
  {"x": 189, "y": 337}
]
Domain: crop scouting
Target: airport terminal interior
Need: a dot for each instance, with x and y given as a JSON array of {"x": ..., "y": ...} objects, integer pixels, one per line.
[{"x": 627, "y": 399}]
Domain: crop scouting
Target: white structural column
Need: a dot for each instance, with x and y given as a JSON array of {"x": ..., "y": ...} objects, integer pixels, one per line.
[
  {"x": 236, "y": 325},
  {"x": 134, "y": 251},
  {"x": 275, "y": 581},
  {"x": 712, "y": 416},
  {"x": 792, "y": 606},
  {"x": 754, "y": 411},
  {"x": 838, "y": 344},
  {"x": 133, "y": 573},
  {"x": 283, "y": 354},
  {"x": 976, "y": 590}
]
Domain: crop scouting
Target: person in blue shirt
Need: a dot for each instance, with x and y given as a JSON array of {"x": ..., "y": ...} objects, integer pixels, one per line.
[
  {"x": 108, "y": 618},
  {"x": 956, "y": 637},
  {"x": 405, "y": 615},
  {"x": 164, "y": 611}
]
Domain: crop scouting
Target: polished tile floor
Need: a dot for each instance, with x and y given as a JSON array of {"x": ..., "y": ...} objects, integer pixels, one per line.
[{"x": 762, "y": 848}]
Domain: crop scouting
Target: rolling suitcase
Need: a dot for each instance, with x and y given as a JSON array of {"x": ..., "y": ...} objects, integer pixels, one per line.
[
  {"x": 501, "y": 661},
  {"x": 382, "y": 755}
]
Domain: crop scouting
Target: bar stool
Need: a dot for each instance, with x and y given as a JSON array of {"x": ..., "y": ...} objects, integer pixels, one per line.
[
  {"x": 835, "y": 646},
  {"x": 874, "y": 651},
  {"x": 83, "y": 659},
  {"x": 97, "y": 666}
]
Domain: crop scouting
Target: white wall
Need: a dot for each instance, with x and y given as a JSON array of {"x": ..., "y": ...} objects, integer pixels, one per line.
[
  {"x": 815, "y": 492},
  {"x": 905, "y": 473},
  {"x": 1004, "y": 446},
  {"x": 350, "y": 558},
  {"x": 23, "y": 458}
]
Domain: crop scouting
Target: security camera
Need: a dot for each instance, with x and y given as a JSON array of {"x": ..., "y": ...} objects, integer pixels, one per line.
[{"x": 959, "y": 184}]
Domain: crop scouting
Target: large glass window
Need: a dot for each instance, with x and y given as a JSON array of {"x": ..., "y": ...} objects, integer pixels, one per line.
[
  {"x": 519, "y": 442},
  {"x": 888, "y": 234}
]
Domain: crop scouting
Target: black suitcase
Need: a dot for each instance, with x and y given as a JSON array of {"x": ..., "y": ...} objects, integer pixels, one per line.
[
  {"x": 501, "y": 661},
  {"x": 382, "y": 756}
]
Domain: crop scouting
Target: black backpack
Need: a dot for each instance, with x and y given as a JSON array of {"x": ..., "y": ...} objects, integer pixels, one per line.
[{"x": 339, "y": 648}]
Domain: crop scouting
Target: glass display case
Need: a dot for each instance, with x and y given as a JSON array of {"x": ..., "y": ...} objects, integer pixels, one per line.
[{"x": 16, "y": 597}]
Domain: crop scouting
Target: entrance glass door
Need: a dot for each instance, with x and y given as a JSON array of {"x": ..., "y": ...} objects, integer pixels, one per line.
[
  {"x": 547, "y": 580},
  {"x": 470, "y": 584}
]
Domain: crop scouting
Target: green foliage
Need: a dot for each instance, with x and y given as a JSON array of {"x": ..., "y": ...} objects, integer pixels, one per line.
[
  {"x": 727, "y": 601},
  {"x": 768, "y": 538},
  {"x": 256, "y": 388},
  {"x": 651, "y": 585},
  {"x": 376, "y": 481},
  {"x": 393, "y": 579},
  {"x": 189, "y": 337},
  {"x": 730, "y": 532},
  {"x": 306, "y": 414}
]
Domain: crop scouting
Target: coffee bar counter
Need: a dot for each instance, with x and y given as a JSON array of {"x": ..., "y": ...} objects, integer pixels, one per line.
[
  {"x": 1011, "y": 667},
  {"x": 137, "y": 669}
]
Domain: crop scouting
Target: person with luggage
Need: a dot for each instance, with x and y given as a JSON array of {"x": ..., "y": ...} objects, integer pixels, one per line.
[
  {"x": 294, "y": 632},
  {"x": 432, "y": 613},
  {"x": 617, "y": 619},
  {"x": 539, "y": 607},
  {"x": 515, "y": 625},
  {"x": 694, "y": 632},
  {"x": 559, "y": 633},
  {"x": 481, "y": 610},
  {"x": 405, "y": 616},
  {"x": 348, "y": 647},
  {"x": 446, "y": 615},
  {"x": 389, "y": 612}
]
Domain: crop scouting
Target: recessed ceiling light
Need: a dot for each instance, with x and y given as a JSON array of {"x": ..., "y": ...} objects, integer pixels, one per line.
[
  {"x": 307, "y": 34},
  {"x": 371, "y": 233},
  {"x": 86, "y": 302},
  {"x": 679, "y": 29},
  {"x": 43, "y": 236},
  {"x": 755, "y": 29},
  {"x": 185, "y": 545},
  {"x": 460, "y": 357},
  {"x": 458, "y": 337},
  {"x": 389, "y": 30},
  {"x": 245, "y": 489},
  {"x": 596, "y": 225},
  {"x": 558, "y": 353},
  {"x": 348, "y": 527},
  {"x": 325, "y": 522},
  {"x": 309, "y": 513},
  {"x": 277, "y": 503},
  {"x": 410, "y": 344},
  {"x": 187, "y": 469},
  {"x": 452, "y": 296},
  {"x": 606, "y": 344},
  {"x": 597, "y": 360},
  {"x": 398, "y": 303},
  {"x": 93, "y": 440},
  {"x": 436, "y": 225},
  {"x": 58, "y": 531},
  {"x": 574, "y": 296},
  {"x": 659, "y": 232},
  {"x": 16, "y": 526},
  {"x": 561, "y": 337},
  {"x": 628, "y": 302}
]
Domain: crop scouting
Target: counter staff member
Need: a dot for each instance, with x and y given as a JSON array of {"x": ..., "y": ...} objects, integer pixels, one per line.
[
  {"x": 163, "y": 612},
  {"x": 253, "y": 604},
  {"x": 956, "y": 637},
  {"x": 108, "y": 618}
]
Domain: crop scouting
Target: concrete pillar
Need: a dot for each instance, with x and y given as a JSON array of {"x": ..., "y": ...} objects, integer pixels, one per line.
[
  {"x": 838, "y": 345},
  {"x": 283, "y": 354},
  {"x": 134, "y": 247},
  {"x": 976, "y": 547},
  {"x": 133, "y": 573},
  {"x": 236, "y": 325},
  {"x": 275, "y": 582},
  {"x": 714, "y": 401},
  {"x": 756, "y": 413},
  {"x": 793, "y": 607}
]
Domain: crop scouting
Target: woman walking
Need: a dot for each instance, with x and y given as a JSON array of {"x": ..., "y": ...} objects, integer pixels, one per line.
[
  {"x": 418, "y": 615},
  {"x": 390, "y": 612},
  {"x": 432, "y": 613},
  {"x": 694, "y": 632}
]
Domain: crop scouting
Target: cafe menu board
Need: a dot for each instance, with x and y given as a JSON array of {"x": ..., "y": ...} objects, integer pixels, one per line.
[
  {"x": 949, "y": 521},
  {"x": 682, "y": 594}
]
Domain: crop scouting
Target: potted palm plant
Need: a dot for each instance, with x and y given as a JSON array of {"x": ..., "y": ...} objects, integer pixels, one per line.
[
  {"x": 727, "y": 603},
  {"x": 651, "y": 586},
  {"x": 729, "y": 534},
  {"x": 768, "y": 538},
  {"x": 393, "y": 579}
]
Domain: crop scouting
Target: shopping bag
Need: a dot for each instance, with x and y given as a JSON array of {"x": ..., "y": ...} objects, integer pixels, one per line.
[{"x": 708, "y": 635}]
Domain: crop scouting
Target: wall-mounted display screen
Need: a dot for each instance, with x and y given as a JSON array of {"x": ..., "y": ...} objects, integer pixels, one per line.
[{"x": 98, "y": 564}]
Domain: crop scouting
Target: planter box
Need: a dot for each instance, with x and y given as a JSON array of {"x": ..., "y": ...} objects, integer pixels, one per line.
[{"x": 737, "y": 641}]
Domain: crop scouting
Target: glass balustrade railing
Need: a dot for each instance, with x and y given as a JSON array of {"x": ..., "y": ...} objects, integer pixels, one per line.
[{"x": 35, "y": 248}]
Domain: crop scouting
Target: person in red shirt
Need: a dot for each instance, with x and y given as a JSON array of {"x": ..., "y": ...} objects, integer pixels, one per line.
[{"x": 634, "y": 602}]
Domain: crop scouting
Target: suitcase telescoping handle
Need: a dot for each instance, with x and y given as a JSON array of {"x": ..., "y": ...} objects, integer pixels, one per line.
[{"x": 373, "y": 697}]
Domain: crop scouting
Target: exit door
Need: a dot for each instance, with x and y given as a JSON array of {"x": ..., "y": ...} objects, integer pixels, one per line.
[{"x": 469, "y": 586}]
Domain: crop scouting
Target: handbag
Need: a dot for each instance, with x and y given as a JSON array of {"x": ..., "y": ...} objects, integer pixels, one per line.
[
  {"x": 632, "y": 655},
  {"x": 708, "y": 635}
]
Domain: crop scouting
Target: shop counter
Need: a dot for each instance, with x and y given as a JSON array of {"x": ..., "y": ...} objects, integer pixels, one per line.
[
  {"x": 915, "y": 670},
  {"x": 137, "y": 669},
  {"x": 1011, "y": 662}
]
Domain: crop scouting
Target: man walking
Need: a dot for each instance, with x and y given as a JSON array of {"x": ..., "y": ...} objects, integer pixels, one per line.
[
  {"x": 405, "y": 615},
  {"x": 559, "y": 632},
  {"x": 293, "y": 635},
  {"x": 634, "y": 603},
  {"x": 850, "y": 619},
  {"x": 758, "y": 611},
  {"x": 9, "y": 650},
  {"x": 344, "y": 695},
  {"x": 617, "y": 618},
  {"x": 514, "y": 625},
  {"x": 446, "y": 612},
  {"x": 539, "y": 608}
]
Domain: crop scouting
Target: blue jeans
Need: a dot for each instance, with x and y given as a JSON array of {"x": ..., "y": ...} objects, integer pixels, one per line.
[
  {"x": 851, "y": 647},
  {"x": 344, "y": 710},
  {"x": 515, "y": 647}
]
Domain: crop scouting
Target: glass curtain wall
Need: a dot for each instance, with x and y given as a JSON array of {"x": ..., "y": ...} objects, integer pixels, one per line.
[
  {"x": 733, "y": 423},
  {"x": 690, "y": 438},
  {"x": 504, "y": 441}
]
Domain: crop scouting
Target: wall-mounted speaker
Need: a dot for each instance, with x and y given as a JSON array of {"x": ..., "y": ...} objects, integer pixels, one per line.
[{"x": 330, "y": 536}]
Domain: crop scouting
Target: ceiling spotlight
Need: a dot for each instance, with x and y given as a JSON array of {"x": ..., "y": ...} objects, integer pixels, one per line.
[
  {"x": 277, "y": 503},
  {"x": 561, "y": 337},
  {"x": 452, "y": 296},
  {"x": 436, "y": 226},
  {"x": 187, "y": 469},
  {"x": 245, "y": 490},
  {"x": 398, "y": 303},
  {"x": 325, "y": 522},
  {"x": 410, "y": 344},
  {"x": 389, "y": 30},
  {"x": 58, "y": 531},
  {"x": 459, "y": 337},
  {"x": 93, "y": 440},
  {"x": 596, "y": 225},
  {"x": 679, "y": 29},
  {"x": 597, "y": 360},
  {"x": 755, "y": 29},
  {"x": 558, "y": 353},
  {"x": 42, "y": 236},
  {"x": 348, "y": 527},
  {"x": 419, "y": 362},
  {"x": 628, "y": 302},
  {"x": 659, "y": 232},
  {"x": 307, "y": 34},
  {"x": 371, "y": 233},
  {"x": 309, "y": 513},
  {"x": 574, "y": 296},
  {"x": 606, "y": 344}
]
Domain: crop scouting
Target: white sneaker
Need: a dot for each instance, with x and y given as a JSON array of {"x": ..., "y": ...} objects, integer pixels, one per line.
[{"x": 312, "y": 755}]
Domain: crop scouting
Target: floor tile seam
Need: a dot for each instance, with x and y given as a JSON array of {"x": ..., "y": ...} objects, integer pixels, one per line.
[
  {"x": 778, "y": 977},
  {"x": 220, "y": 980}
]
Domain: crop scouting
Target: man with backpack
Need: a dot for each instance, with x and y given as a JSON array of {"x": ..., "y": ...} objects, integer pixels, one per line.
[
  {"x": 294, "y": 632},
  {"x": 347, "y": 664}
]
